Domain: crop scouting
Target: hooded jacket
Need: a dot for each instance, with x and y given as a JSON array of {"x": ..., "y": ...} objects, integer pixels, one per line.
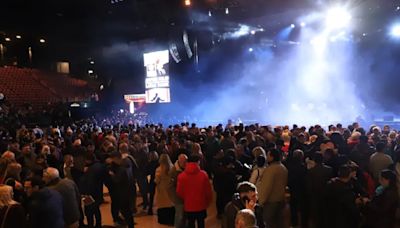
[{"x": 194, "y": 188}]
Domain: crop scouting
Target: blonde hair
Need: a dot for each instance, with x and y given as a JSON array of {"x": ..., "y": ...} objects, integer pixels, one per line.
[
  {"x": 197, "y": 148},
  {"x": 6, "y": 196},
  {"x": 165, "y": 161}
]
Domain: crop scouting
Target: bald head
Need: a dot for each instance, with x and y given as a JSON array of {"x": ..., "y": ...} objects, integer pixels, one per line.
[
  {"x": 50, "y": 174},
  {"x": 245, "y": 218}
]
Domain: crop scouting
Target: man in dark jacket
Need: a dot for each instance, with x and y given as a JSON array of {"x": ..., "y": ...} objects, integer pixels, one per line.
[
  {"x": 224, "y": 181},
  {"x": 44, "y": 205},
  {"x": 341, "y": 209},
  {"x": 316, "y": 180},
  {"x": 122, "y": 188},
  {"x": 92, "y": 187},
  {"x": 129, "y": 162},
  {"x": 296, "y": 182},
  {"x": 245, "y": 198},
  {"x": 70, "y": 195}
]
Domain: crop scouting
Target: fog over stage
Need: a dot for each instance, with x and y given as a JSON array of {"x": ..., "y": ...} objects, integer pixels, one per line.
[{"x": 317, "y": 66}]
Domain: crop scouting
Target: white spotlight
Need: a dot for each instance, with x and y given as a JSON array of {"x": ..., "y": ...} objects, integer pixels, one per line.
[
  {"x": 337, "y": 18},
  {"x": 251, "y": 50},
  {"x": 303, "y": 24},
  {"x": 253, "y": 32},
  {"x": 293, "y": 26},
  {"x": 226, "y": 10},
  {"x": 395, "y": 31}
]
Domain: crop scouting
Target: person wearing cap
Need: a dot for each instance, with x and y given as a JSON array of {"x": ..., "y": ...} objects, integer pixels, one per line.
[{"x": 194, "y": 189}]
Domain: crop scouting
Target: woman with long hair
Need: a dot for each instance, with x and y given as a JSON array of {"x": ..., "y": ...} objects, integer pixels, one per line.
[
  {"x": 166, "y": 210},
  {"x": 11, "y": 212}
]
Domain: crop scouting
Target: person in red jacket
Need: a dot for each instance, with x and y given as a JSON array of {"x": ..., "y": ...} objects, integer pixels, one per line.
[{"x": 195, "y": 190}]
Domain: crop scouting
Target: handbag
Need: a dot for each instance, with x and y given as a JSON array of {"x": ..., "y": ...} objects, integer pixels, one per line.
[
  {"x": 87, "y": 200},
  {"x": 5, "y": 217}
]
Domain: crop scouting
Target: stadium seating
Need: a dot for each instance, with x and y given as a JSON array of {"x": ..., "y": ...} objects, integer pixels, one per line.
[{"x": 22, "y": 85}]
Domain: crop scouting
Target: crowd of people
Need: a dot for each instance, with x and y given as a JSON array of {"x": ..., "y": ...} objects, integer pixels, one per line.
[{"x": 53, "y": 175}]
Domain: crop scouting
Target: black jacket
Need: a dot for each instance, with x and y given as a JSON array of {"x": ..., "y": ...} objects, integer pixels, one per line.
[
  {"x": 92, "y": 181},
  {"x": 45, "y": 209},
  {"x": 316, "y": 181},
  {"x": 341, "y": 209},
  {"x": 381, "y": 211},
  {"x": 122, "y": 187}
]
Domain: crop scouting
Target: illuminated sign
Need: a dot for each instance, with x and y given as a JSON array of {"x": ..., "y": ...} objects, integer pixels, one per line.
[
  {"x": 157, "y": 77},
  {"x": 137, "y": 98}
]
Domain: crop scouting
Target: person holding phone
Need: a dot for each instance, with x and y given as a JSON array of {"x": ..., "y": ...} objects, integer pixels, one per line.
[{"x": 245, "y": 198}]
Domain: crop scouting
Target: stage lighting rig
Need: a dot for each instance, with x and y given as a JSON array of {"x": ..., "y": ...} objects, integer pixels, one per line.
[
  {"x": 395, "y": 31},
  {"x": 337, "y": 18},
  {"x": 187, "y": 3}
]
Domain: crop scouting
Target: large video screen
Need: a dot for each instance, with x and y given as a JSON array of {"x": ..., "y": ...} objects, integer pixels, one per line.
[{"x": 157, "y": 77}]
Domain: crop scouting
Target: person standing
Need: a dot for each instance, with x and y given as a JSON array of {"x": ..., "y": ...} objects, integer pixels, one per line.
[
  {"x": 379, "y": 161},
  {"x": 92, "y": 187},
  {"x": 316, "y": 181},
  {"x": 245, "y": 198},
  {"x": 272, "y": 190},
  {"x": 44, "y": 205},
  {"x": 381, "y": 211},
  {"x": 122, "y": 188},
  {"x": 177, "y": 169},
  {"x": 12, "y": 214},
  {"x": 341, "y": 208},
  {"x": 194, "y": 189},
  {"x": 166, "y": 210},
  {"x": 69, "y": 193}
]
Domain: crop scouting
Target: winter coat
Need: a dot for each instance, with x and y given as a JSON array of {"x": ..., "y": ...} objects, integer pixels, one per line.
[{"x": 194, "y": 188}]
